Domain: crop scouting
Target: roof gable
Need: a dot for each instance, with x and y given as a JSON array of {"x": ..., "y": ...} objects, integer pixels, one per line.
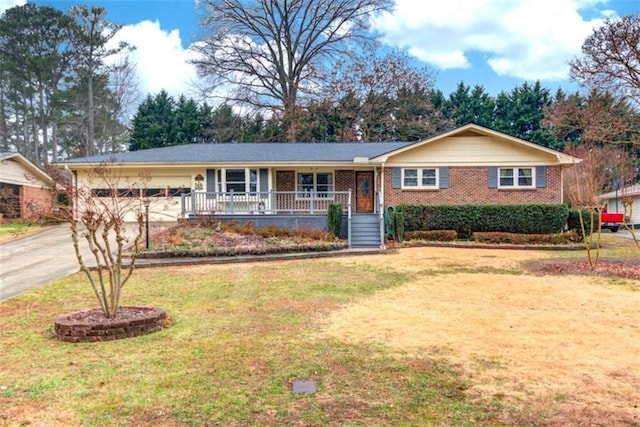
[
  {"x": 473, "y": 144},
  {"x": 27, "y": 165}
]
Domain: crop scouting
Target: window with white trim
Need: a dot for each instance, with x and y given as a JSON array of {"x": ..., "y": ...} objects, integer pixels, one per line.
[
  {"x": 420, "y": 178},
  {"x": 238, "y": 180},
  {"x": 320, "y": 183},
  {"x": 516, "y": 178}
]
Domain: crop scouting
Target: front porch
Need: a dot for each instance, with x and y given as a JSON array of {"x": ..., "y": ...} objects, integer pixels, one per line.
[
  {"x": 198, "y": 203},
  {"x": 289, "y": 209}
]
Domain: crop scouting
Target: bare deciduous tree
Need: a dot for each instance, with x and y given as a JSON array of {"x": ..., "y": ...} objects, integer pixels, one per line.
[
  {"x": 610, "y": 59},
  {"x": 270, "y": 52},
  {"x": 98, "y": 218},
  {"x": 595, "y": 118},
  {"x": 372, "y": 94}
]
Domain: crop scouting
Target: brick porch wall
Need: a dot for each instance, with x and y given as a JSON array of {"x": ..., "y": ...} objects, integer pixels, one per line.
[
  {"x": 285, "y": 181},
  {"x": 470, "y": 185},
  {"x": 35, "y": 202},
  {"x": 345, "y": 181}
]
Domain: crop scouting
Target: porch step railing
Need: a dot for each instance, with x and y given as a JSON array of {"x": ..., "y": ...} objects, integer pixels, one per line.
[{"x": 272, "y": 202}]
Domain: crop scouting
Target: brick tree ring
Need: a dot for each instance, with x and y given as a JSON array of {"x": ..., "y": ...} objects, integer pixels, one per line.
[{"x": 92, "y": 325}]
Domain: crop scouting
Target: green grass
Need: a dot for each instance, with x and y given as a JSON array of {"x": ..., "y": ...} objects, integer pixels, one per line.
[
  {"x": 239, "y": 336},
  {"x": 611, "y": 247},
  {"x": 11, "y": 230}
]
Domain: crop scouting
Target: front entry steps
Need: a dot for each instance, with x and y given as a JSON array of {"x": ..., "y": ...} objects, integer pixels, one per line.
[{"x": 365, "y": 230}]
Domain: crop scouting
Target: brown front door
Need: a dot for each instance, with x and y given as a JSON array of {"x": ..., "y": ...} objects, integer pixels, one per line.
[{"x": 364, "y": 191}]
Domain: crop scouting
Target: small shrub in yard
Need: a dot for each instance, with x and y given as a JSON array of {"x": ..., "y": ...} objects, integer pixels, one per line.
[
  {"x": 397, "y": 222},
  {"x": 248, "y": 228},
  {"x": 432, "y": 235},
  {"x": 523, "y": 239},
  {"x": 335, "y": 219},
  {"x": 269, "y": 231},
  {"x": 314, "y": 234}
]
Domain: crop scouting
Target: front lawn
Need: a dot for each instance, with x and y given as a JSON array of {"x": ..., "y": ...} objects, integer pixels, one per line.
[
  {"x": 240, "y": 335},
  {"x": 420, "y": 336}
]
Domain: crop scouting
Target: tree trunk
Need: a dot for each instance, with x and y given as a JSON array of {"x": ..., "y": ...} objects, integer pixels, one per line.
[
  {"x": 54, "y": 141},
  {"x": 44, "y": 130},
  {"x": 90, "y": 115}
]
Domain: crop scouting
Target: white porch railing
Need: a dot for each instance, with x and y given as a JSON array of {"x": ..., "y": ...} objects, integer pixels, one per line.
[{"x": 272, "y": 202}]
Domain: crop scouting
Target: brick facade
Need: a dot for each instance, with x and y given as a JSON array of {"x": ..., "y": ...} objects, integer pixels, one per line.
[
  {"x": 467, "y": 185},
  {"x": 35, "y": 202},
  {"x": 470, "y": 185},
  {"x": 345, "y": 180},
  {"x": 285, "y": 181}
]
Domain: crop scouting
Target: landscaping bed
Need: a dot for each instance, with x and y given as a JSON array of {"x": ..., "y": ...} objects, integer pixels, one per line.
[{"x": 221, "y": 239}]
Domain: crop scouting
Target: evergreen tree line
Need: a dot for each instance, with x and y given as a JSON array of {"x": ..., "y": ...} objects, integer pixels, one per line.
[{"x": 529, "y": 112}]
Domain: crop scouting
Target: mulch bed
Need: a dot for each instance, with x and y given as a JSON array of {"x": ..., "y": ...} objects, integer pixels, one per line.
[{"x": 625, "y": 269}]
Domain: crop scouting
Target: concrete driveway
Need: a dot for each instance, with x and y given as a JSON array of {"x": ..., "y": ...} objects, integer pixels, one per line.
[{"x": 38, "y": 259}]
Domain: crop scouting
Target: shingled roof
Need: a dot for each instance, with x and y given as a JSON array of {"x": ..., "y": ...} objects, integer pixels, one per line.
[{"x": 248, "y": 153}]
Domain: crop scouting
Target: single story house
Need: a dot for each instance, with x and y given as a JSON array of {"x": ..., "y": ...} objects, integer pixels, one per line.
[
  {"x": 613, "y": 202},
  {"x": 292, "y": 184},
  {"x": 25, "y": 189}
]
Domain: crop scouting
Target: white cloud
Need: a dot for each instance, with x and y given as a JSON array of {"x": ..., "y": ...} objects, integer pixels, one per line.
[
  {"x": 8, "y": 4},
  {"x": 526, "y": 39},
  {"x": 160, "y": 59}
]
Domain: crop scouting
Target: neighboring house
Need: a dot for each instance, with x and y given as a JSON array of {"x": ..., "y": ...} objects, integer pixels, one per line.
[
  {"x": 293, "y": 183},
  {"x": 25, "y": 189},
  {"x": 613, "y": 201}
]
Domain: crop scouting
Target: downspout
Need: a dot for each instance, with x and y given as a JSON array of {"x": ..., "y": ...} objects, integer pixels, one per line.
[
  {"x": 349, "y": 219},
  {"x": 562, "y": 185}
]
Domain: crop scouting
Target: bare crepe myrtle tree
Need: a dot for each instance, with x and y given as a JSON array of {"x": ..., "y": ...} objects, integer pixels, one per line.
[
  {"x": 98, "y": 209},
  {"x": 584, "y": 184}
]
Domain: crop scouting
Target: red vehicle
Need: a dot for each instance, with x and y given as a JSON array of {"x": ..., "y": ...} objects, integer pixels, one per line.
[{"x": 612, "y": 221}]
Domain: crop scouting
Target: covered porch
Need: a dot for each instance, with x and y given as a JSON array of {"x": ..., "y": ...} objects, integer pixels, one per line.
[
  {"x": 199, "y": 203},
  {"x": 289, "y": 209}
]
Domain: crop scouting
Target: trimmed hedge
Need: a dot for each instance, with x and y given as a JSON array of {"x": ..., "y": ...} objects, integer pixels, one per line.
[
  {"x": 432, "y": 235},
  {"x": 588, "y": 215},
  {"x": 535, "y": 239},
  {"x": 467, "y": 219}
]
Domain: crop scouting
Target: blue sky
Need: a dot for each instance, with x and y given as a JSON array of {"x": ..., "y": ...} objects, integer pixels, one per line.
[{"x": 498, "y": 44}]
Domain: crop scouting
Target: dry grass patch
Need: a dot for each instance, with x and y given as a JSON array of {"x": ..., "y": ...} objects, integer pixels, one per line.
[{"x": 565, "y": 342}]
